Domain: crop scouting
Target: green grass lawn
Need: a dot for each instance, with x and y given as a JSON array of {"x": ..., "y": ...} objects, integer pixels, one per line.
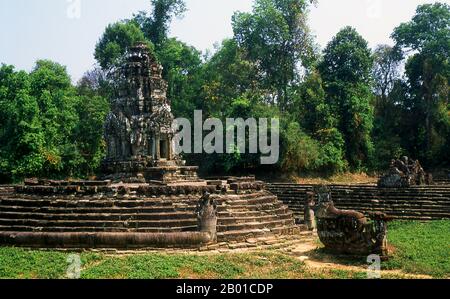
[
  {"x": 421, "y": 248},
  {"x": 19, "y": 263}
]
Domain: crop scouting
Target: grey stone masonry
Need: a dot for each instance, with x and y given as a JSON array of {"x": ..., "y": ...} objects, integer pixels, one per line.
[
  {"x": 138, "y": 131},
  {"x": 413, "y": 203}
]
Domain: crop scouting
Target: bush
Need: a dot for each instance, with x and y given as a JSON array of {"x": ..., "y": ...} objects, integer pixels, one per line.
[{"x": 300, "y": 151}]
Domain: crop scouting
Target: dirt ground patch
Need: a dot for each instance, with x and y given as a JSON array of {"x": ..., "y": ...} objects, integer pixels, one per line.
[{"x": 315, "y": 260}]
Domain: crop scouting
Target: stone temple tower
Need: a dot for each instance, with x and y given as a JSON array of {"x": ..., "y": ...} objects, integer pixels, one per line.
[{"x": 138, "y": 131}]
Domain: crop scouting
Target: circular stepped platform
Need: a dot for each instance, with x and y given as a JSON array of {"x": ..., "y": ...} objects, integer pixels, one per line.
[
  {"x": 265, "y": 242},
  {"x": 245, "y": 214}
]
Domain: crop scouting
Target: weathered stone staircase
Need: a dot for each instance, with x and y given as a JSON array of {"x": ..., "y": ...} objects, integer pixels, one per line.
[
  {"x": 415, "y": 203},
  {"x": 442, "y": 181},
  {"x": 253, "y": 215},
  {"x": 256, "y": 214}
]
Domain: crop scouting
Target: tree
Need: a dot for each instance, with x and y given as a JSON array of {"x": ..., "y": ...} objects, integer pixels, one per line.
[
  {"x": 183, "y": 71},
  {"x": 46, "y": 128},
  {"x": 115, "y": 42},
  {"x": 276, "y": 37},
  {"x": 392, "y": 120},
  {"x": 95, "y": 82},
  {"x": 346, "y": 72},
  {"x": 427, "y": 31},
  {"x": 300, "y": 151},
  {"x": 51, "y": 86},
  {"x": 426, "y": 38},
  {"x": 21, "y": 133},
  {"x": 156, "y": 25},
  {"x": 386, "y": 71},
  {"x": 312, "y": 108},
  {"x": 88, "y": 134},
  {"x": 389, "y": 93},
  {"x": 228, "y": 76},
  {"x": 316, "y": 117},
  {"x": 94, "y": 92}
]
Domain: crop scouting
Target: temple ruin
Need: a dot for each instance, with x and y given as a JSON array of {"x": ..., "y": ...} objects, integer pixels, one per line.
[
  {"x": 405, "y": 173},
  {"x": 146, "y": 198},
  {"x": 138, "y": 131}
]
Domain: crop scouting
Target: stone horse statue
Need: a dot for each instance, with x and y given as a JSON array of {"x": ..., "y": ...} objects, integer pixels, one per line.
[{"x": 349, "y": 232}]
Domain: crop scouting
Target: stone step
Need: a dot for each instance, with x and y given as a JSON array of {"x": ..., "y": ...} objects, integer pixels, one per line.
[
  {"x": 225, "y": 213},
  {"x": 241, "y": 235},
  {"x": 83, "y": 203},
  {"x": 63, "y": 210},
  {"x": 261, "y": 207},
  {"x": 378, "y": 197},
  {"x": 430, "y": 191},
  {"x": 353, "y": 186},
  {"x": 62, "y": 207},
  {"x": 92, "y": 202},
  {"x": 241, "y": 218},
  {"x": 395, "y": 206},
  {"x": 435, "y": 214},
  {"x": 354, "y": 206},
  {"x": 416, "y": 203},
  {"x": 24, "y": 228},
  {"x": 98, "y": 223},
  {"x": 405, "y": 197},
  {"x": 245, "y": 234},
  {"x": 244, "y": 220},
  {"x": 255, "y": 225},
  {"x": 253, "y": 214},
  {"x": 397, "y": 215},
  {"x": 99, "y": 216},
  {"x": 254, "y": 201}
]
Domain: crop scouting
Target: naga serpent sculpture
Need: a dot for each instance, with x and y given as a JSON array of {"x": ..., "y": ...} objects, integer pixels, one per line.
[{"x": 349, "y": 232}]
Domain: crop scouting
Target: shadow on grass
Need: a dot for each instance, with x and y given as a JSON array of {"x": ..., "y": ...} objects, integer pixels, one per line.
[{"x": 326, "y": 256}]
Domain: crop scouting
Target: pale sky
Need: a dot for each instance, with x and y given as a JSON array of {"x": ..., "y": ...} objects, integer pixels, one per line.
[{"x": 66, "y": 31}]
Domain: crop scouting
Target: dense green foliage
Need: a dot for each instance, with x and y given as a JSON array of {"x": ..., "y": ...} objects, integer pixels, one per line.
[
  {"x": 156, "y": 26},
  {"x": 346, "y": 69},
  {"x": 115, "y": 42},
  {"x": 47, "y": 128},
  {"x": 346, "y": 109},
  {"x": 427, "y": 35},
  {"x": 276, "y": 38}
]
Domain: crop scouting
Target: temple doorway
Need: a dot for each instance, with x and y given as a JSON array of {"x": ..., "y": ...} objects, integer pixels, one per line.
[{"x": 164, "y": 149}]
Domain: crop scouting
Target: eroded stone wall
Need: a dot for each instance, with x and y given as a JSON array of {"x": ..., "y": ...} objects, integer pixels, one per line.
[
  {"x": 65, "y": 213},
  {"x": 414, "y": 203}
]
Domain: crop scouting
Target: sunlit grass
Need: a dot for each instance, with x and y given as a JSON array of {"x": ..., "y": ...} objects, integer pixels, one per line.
[{"x": 420, "y": 248}]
